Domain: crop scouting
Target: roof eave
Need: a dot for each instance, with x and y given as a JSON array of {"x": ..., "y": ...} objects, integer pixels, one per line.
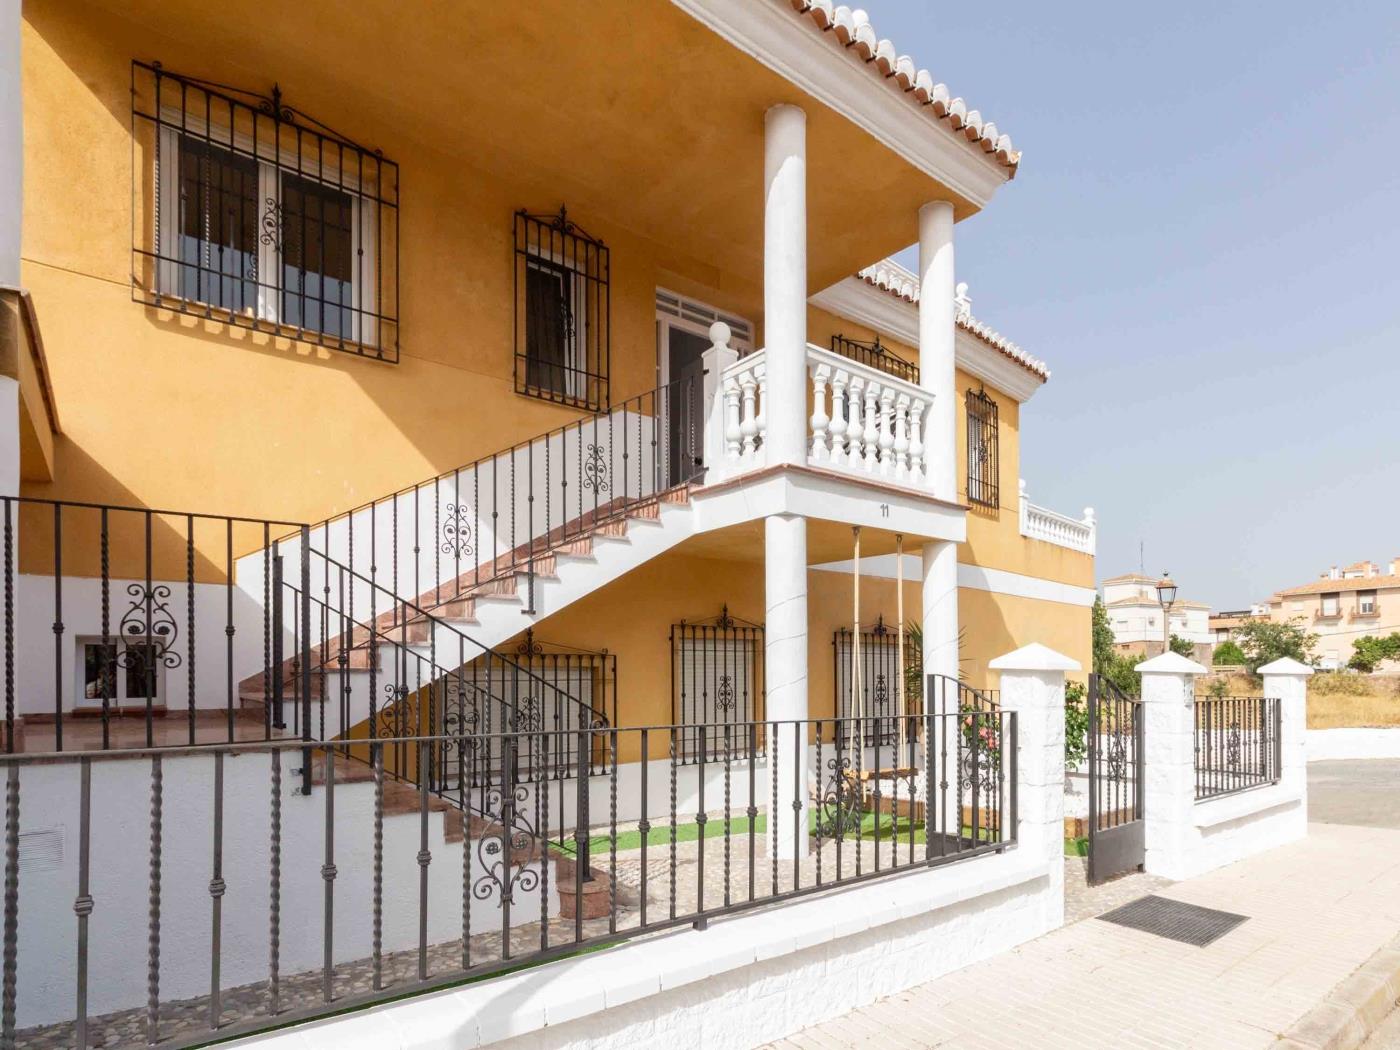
[{"x": 811, "y": 57}]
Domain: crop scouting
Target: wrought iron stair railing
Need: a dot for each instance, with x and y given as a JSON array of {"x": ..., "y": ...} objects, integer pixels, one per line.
[{"x": 473, "y": 530}]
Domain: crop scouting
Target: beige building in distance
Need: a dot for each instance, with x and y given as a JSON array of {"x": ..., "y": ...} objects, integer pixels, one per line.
[{"x": 1344, "y": 604}]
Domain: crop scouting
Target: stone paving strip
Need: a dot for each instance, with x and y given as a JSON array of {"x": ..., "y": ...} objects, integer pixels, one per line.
[{"x": 1318, "y": 910}]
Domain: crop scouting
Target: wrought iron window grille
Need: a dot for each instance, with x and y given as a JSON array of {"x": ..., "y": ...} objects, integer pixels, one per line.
[
  {"x": 880, "y": 668},
  {"x": 562, "y": 312},
  {"x": 877, "y": 355},
  {"x": 249, "y": 212},
  {"x": 983, "y": 466},
  {"x": 716, "y": 678}
]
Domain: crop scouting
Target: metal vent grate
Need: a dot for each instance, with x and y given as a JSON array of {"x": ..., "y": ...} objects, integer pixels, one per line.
[
  {"x": 1175, "y": 920},
  {"x": 41, "y": 850}
]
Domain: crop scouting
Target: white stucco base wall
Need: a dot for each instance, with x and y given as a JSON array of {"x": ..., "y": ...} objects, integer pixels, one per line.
[
  {"x": 1228, "y": 829},
  {"x": 1361, "y": 742},
  {"x": 742, "y": 982}
]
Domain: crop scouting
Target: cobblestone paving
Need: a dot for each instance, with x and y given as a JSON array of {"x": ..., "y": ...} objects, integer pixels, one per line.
[{"x": 1083, "y": 901}]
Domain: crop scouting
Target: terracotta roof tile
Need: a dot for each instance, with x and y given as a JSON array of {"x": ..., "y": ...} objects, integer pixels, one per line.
[
  {"x": 851, "y": 29},
  {"x": 1359, "y": 583},
  {"x": 893, "y": 278}
]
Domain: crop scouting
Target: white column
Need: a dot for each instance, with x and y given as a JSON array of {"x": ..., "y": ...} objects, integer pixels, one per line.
[
  {"x": 785, "y": 673},
  {"x": 1287, "y": 680},
  {"x": 717, "y": 409},
  {"x": 11, "y": 206},
  {"x": 940, "y": 612},
  {"x": 785, "y": 282},
  {"x": 936, "y": 335},
  {"x": 1169, "y": 764},
  {"x": 1033, "y": 686}
]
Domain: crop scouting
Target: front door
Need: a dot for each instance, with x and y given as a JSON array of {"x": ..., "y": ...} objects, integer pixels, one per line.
[{"x": 683, "y": 400}]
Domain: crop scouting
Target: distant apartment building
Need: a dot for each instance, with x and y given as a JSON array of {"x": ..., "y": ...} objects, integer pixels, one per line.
[
  {"x": 1223, "y": 625},
  {"x": 1135, "y": 616},
  {"x": 1344, "y": 604}
]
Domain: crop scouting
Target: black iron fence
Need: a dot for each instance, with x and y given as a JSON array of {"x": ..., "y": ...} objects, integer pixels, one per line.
[
  {"x": 1238, "y": 742},
  {"x": 137, "y": 627},
  {"x": 249, "y": 906},
  {"x": 877, "y": 355}
]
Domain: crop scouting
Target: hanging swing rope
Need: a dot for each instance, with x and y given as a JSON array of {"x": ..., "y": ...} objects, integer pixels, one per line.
[
  {"x": 857, "y": 678},
  {"x": 900, "y": 710}
]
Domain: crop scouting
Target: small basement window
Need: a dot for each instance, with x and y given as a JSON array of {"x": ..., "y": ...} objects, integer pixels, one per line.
[
  {"x": 126, "y": 673},
  {"x": 562, "y": 312},
  {"x": 260, "y": 217}
]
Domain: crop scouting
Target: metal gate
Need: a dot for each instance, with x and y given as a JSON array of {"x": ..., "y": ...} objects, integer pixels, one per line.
[{"x": 1115, "y": 780}]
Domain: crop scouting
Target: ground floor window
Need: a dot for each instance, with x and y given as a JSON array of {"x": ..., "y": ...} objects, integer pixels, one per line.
[
  {"x": 717, "y": 686},
  {"x": 124, "y": 673}
]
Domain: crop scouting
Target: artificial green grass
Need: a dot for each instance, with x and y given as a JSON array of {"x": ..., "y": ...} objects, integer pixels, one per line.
[
  {"x": 660, "y": 834},
  {"x": 1077, "y": 847}
]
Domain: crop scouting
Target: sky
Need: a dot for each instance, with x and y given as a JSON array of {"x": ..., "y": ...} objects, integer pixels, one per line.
[{"x": 1203, "y": 243}]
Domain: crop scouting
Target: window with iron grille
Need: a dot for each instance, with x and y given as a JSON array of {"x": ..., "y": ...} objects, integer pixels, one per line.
[
  {"x": 717, "y": 686},
  {"x": 877, "y": 355},
  {"x": 249, "y": 212},
  {"x": 982, "y": 466},
  {"x": 562, "y": 312}
]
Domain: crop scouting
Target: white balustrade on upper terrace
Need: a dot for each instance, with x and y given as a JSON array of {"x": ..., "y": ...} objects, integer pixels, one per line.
[
  {"x": 1038, "y": 523},
  {"x": 865, "y": 422}
]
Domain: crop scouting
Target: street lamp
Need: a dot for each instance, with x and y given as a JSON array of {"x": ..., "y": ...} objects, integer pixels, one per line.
[{"x": 1166, "y": 595}]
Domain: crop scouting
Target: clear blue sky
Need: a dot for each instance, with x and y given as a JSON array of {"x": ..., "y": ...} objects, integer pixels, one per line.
[{"x": 1203, "y": 241}]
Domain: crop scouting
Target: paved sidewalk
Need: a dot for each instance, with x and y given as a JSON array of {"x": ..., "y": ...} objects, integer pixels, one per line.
[{"x": 1317, "y": 910}]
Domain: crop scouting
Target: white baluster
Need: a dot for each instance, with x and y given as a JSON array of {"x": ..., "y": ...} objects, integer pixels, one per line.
[
  {"x": 1024, "y": 505},
  {"x": 761, "y": 371},
  {"x": 821, "y": 452},
  {"x": 872, "y": 426},
  {"x": 901, "y": 436},
  {"x": 854, "y": 431},
  {"x": 748, "y": 427},
  {"x": 916, "y": 440},
  {"x": 837, "y": 426},
  {"x": 732, "y": 433},
  {"x": 887, "y": 396}
]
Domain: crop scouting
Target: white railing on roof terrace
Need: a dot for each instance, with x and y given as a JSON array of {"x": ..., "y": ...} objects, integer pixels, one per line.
[
  {"x": 864, "y": 421},
  {"x": 1038, "y": 523}
]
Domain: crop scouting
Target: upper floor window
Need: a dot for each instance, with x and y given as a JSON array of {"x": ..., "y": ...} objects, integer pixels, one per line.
[
  {"x": 1366, "y": 602},
  {"x": 982, "y": 459},
  {"x": 877, "y": 355},
  {"x": 562, "y": 312},
  {"x": 1331, "y": 604},
  {"x": 261, "y": 217}
]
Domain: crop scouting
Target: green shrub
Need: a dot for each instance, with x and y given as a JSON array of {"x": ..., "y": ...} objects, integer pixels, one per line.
[
  {"x": 1076, "y": 723},
  {"x": 1229, "y": 654}
]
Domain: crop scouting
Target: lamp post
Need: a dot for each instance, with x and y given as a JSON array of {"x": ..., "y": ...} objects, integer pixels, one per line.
[{"x": 1166, "y": 596}]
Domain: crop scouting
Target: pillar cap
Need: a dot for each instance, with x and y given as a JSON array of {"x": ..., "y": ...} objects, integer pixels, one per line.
[
  {"x": 1034, "y": 657},
  {"x": 1287, "y": 665},
  {"x": 1170, "y": 663}
]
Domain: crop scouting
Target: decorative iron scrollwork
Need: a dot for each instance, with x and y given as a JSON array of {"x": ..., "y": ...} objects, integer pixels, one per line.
[
  {"x": 456, "y": 533},
  {"x": 509, "y": 831},
  {"x": 882, "y": 691},
  {"x": 724, "y": 695},
  {"x": 271, "y": 223},
  {"x": 595, "y": 470},
  {"x": 149, "y": 629},
  {"x": 1232, "y": 744},
  {"x": 395, "y": 717},
  {"x": 839, "y": 804}
]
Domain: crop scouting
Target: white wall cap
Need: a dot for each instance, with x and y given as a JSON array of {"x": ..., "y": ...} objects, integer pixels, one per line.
[
  {"x": 1170, "y": 663},
  {"x": 1034, "y": 657},
  {"x": 1287, "y": 665}
]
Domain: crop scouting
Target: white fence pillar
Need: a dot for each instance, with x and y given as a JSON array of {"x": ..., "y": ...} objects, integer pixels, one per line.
[
  {"x": 1033, "y": 685},
  {"x": 1169, "y": 765},
  {"x": 1287, "y": 680}
]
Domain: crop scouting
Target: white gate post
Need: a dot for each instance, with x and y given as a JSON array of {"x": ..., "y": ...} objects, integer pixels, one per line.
[
  {"x": 1287, "y": 680},
  {"x": 1033, "y": 685},
  {"x": 1169, "y": 763}
]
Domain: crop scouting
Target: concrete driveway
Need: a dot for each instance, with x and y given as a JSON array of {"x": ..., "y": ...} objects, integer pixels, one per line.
[{"x": 1364, "y": 792}]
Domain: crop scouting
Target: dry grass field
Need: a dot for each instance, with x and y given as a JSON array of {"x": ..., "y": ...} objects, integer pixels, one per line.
[{"x": 1334, "y": 699}]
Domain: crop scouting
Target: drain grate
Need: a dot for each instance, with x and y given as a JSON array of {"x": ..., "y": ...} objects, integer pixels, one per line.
[{"x": 1175, "y": 920}]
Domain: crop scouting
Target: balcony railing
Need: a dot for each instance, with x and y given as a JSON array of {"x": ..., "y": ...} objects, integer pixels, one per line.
[
  {"x": 1039, "y": 523},
  {"x": 865, "y": 422}
]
